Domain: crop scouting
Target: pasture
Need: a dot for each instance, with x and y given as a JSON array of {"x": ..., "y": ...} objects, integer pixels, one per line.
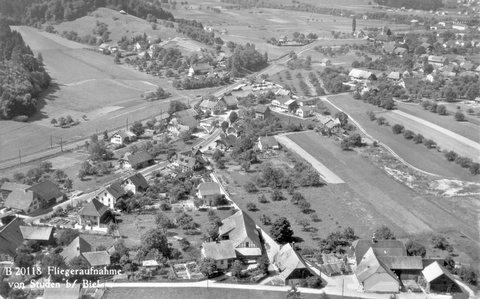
[{"x": 415, "y": 154}]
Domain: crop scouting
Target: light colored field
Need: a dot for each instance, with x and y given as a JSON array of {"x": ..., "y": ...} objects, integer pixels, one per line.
[{"x": 324, "y": 172}]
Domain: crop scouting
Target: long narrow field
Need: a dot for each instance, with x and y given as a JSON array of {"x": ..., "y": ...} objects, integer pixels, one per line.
[
  {"x": 367, "y": 185},
  {"x": 415, "y": 154}
]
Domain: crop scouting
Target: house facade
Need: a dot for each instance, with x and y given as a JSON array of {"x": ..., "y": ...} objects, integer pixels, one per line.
[
  {"x": 213, "y": 106},
  {"x": 208, "y": 191},
  {"x": 262, "y": 112},
  {"x": 291, "y": 266},
  {"x": 267, "y": 143},
  {"x": 221, "y": 251},
  {"x": 122, "y": 137},
  {"x": 93, "y": 213},
  {"x": 137, "y": 160},
  {"x": 110, "y": 194},
  {"x": 283, "y": 103},
  {"x": 241, "y": 230},
  {"x": 304, "y": 111},
  {"x": 135, "y": 183}
]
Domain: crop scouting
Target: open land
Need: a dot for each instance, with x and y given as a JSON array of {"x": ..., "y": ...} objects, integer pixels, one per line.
[{"x": 423, "y": 158}]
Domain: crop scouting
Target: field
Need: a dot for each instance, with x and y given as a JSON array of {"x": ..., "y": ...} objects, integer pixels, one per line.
[{"x": 423, "y": 158}]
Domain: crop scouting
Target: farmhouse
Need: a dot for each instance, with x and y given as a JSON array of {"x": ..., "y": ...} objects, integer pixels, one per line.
[
  {"x": 380, "y": 247},
  {"x": 221, "y": 251},
  {"x": 135, "y": 183},
  {"x": 199, "y": 69},
  {"x": 64, "y": 292},
  {"x": 242, "y": 231},
  {"x": 8, "y": 187},
  {"x": 304, "y": 101},
  {"x": 186, "y": 163},
  {"x": 438, "y": 280},
  {"x": 292, "y": 267},
  {"x": 33, "y": 198},
  {"x": 182, "y": 124},
  {"x": 138, "y": 160},
  {"x": 213, "y": 106},
  {"x": 122, "y": 137},
  {"x": 326, "y": 62},
  {"x": 187, "y": 112},
  {"x": 208, "y": 191},
  {"x": 10, "y": 238},
  {"x": 266, "y": 143},
  {"x": 41, "y": 234},
  {"x": 304, "y": 111},
  {"x": 394, "y": 76},
  {"x": 374, "y": 276},
  {"x": 262, "y": 112},
  {"x": 93, "y": 214},
  {"x": 283, "y": 103},
  {"x": 97, "y": 258},
  {"x": 76, "y": 248},
  {"x": 109, "y": 195},
  {"x": 357, "y": 74}
]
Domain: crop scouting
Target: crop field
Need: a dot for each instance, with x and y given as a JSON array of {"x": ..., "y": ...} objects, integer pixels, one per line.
[{"x": 421, "y": 157}]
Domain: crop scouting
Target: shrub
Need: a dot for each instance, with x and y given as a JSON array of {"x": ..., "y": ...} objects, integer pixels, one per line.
[
  {"x": 165, "y": 206},
  {"x": 459, "y": 116},
  {"x": 277, "y": 195},
  {"x": 315, "y": 218},
  {"x": 441, "y": 110},
  {"x": 381, "y": 121},
  {"x": 468, "y": 274},
  {"x": 470, "y": 111},
  {"x": 265, "y": 220},
  {"x": 433, "y": 107},
  {"x": 250, "y": 187},
  {"x": 475, "y": 168},
  {"x": 398, "y": 129},
  {"x": 418, "y": 138},
  {"x": 408, "y": 134},
  {"x": 251, "y": 206},
  {"x": 463, "y": 161},
  {"x": 440, "y": 242},
  {"x": 304, "y": 205},
  {"x": 429, "y": 143},
  {"x": 451, "y": 156},
  {"x": 371, "y": 115},
  {"x": 262, "y": 199},
  {"x": 314, "y": 282}
]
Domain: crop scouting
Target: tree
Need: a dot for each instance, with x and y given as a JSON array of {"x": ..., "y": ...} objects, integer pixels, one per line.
[
  {"x": 246, "y": 166},
  {"x": 468, "y": 274},
  {"x": 54, "y": 121},
  {"x": 398, "y": 129},
  {"x": 441, "y": 110},
  {"x": 155, "y": 239},
  {"x": 415, "y": 249},
  {"x": 233, "y": 117},
  {"x": 304, "y": 223},
  {"x": 4, "y": 289},
  {"x": 137, "y": 128},
  {"x": 296, "y": 197},
  {"x": 224, "y": 125},
  {"x": 175, "y": 106},
  {"x": 459, "y": 116},
  {"x": 24, "y": 260},
  {"x": 251, "y": 206},
  {"x": 67, "y": 236},
  {"x": 281, "y": 230},
  {"x": 277, "y": 195},
  {"x": 304, "y": 206},
  {"x": 440, "y": 242},
  {"x": 16, "y": 293},
  {"x": 451, "y": 156},
  {"x": 345, "y": 144},
  {"x": 263, "y": 263},
  {"x": 342, "y": 117},
  {"x": 354, "y": 24},
  {"x": 265, "y": 220},
  {"x": 237, "y": 269},
  {"x": 384, "y": 233},
  {"x": 475, "y": 168},
  {"x": 208, "y": 266},
  {"x": 314, "y": 282},
  {"x": 418, "y": 138},
  {"x": 293, "y": 293}
]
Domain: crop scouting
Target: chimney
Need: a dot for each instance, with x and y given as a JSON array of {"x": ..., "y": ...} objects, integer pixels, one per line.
[{"x": 374, "y": 239}]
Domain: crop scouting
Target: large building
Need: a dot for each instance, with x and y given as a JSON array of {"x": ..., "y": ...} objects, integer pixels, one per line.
[{"x": 242, "y": 231}]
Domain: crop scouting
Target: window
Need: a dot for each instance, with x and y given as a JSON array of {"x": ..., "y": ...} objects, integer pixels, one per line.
[
  {"x": 221, "y": 262},
  {"x": 247, "y": 244}
]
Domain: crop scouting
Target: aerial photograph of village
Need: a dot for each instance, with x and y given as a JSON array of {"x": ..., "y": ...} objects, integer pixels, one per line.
[{"x": 236, "y": 149}]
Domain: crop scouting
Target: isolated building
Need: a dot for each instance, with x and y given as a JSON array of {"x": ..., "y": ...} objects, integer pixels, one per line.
[
  {"x": 438, "y": 280},
  {"x": 122, "y": 137}
]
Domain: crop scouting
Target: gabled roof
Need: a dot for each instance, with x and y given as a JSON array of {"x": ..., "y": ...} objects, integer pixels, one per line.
[
  {"x": 261, "y": 109},
  {"x": 402, "y": 262},
  {"x": 389, "y": 47},
  {"x": 10, "y": 186},
  {"x": 370, "y": 265},
  {"x": 435, "y": 270},
  {"x": 238, "y": 227},
  {"x": 97, "y": 258},
  {"x": 231, "y": 100},
  {"x": 63, "y": 292},
  {"x": 138, "y": 180},
  {"x": 209, "y": 188},
  {"x": 139, "y": 158},
  {"x": 399, "y": 50},
  {"x": 360, "y": 74},
  {"x": 93, "y": 208},
  {"x": 76, "y": 248},
  {"x": 268, "y": 141},
  {"x": 42, "y": 233},
  {"x": 288, "y": 260},
  {"x": 221, "y": 250},
  {"x": 186, "y": 161},
  {"x": 283, "y": 100},
  {"x": 188, "y": 121},
  {"x": 467, "y": 65},
  {"x": 124, "y": 134},
  {"x": 437, "y": 59},
  {"x": 46, "y": 190},
  {"x": 115, "y": 190},
  {"x": 394, "y": 76},
  {"x": 381, "y": 247},
  {"x": 11, "y": 237},
  {"x": 187, "y": 112},
  {"x": 19, "y": 199},
  {"x": 208, "y": 104}
]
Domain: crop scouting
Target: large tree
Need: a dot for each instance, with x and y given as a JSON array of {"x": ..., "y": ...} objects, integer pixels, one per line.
[
  {"x": 281, "y": 230},
  {"x": 384, "y": 233},
  {"x": 208, "y": 266}
]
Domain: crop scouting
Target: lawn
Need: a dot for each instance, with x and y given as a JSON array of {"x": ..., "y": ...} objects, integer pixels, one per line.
[
  {"x": 199, "y": 293},
  {"x": 423, "y": 158}
]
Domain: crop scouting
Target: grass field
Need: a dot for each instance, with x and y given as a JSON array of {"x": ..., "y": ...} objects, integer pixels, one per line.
[{"x": 423, "y": 158}]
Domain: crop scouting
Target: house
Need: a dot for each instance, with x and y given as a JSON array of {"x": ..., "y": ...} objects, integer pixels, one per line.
[
  {"x": 304, "y": 111},
  {"x": 109, "y": 195},
  {"x": 380, "y": 247},
  {"x": 283, "y": 103},
  {"x": 400, "y": 51},
  {"x": 467, "y": 65},
  {"x": 328, "y": 124},
  {"x": 135, "y": 183},
  {"x": 186, "y": 163},
  {"x": 121, "y": 137},
  {"x": 231, "y": 102},
  {"x": 94, "y": 213},
  {"x": 326, "y": 62},
  {"x": 267, "y": 142},
  {"x": 187, "y": 112},
  {"x": 41, "y": 234},
  {"x": 292, "y": 267},
  {"x": 283, "y": 38},
  {"x": 73, "y": 291},
  {"x": 374, "y": 276},
  {"x": 8, "y": 187},
  {"x": 199, "y": 69},
  {"x": 394, "y": 76},
  {"x": 178, "y": 125},
  {"x": 438, "y": 280},
  {"x": 76, "y": 248},
  {"x": 241, "y": 230},
  {"x": 438, "y": 60},
  {"x": 303, "y": 101},
  {"x": 97, "y": 258},
  {"x": 11, "y": 237},
  {"x": 137, "y": 160},
  {"x": 213, "y": 106},
  {"x": 369, "y": 87},
  {"x": 390, "y": 47},
  {"x": 208, "y": 191},
  {"x": 358, "y": 74},
  {"x": 222, "y": 252},
  {"x": 405, "y": 267},
  {"x": 33, "y": 198},
  {"x": 428, "y": 47},
  {"x": 226, "y": 142},
  {"x": 262, "y": 112}
]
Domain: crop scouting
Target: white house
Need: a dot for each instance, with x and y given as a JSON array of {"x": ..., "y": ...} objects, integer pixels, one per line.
[
  {"x": 222, "y": 252},
  {"x": 208, "y": 191},
  {"x": 122, "y": 137},
  {"x": 304, "y": 111},
  {"x": 135, "y": 183},
  {"x": 110, "y": 194}
]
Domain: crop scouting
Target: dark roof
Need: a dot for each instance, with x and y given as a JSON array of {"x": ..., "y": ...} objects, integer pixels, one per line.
[
  {"x": 381, "y": 247},
  {"x": 10, "y": 186},
  {"x": 46, "y": 190},
  {"x": 93, "y": 208},
  {"x": 230, "y": 100},
  {"x": 63, "y": 292},
  {"x": 381, "y": 38},
  {"x": 42, "y": 233},
  {"x": 139, "y": 180},
  {"x": 97, "y": 258},
  {"x": 370, "y": 265},
  {"x": 187, "y": 112},
  {"x": 261, "y": 109},
  {"x": 139, "y": 158},
  {"x": 239, "y": 226},
  {"x": 189, "y": 121},
  {"x": 402, "y": 262},
  {"x": 268, "y": 142},
  {"x": 11, "y": 237},
  {"x": 222, "y": 250},
  {"x": 76, "y": 248},
  {"x": 282, "y": 99},
  {"x": 115, "y": 190}
]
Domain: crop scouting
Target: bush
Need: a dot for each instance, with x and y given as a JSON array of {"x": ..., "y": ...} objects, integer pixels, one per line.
[
  {"x": 382, "y": 121},
  {"x": 459, "y": 116},
  {"x": 429, "y": 143},
  {"x": 441, "y": 110},
  {"x": 451, "y": 156},
  {"x": 398, "y": 129},
  {"x": 165, "y": 206},
  {"x": 408, "y": 134},
  {"x": 265, "y": 220},
  {"x": 371, "y": 115},
  {"x": 314, "y": 282},
  {"x": 464, "y": 162},
  {"x": 250, "y": 187},
  {"x": 304, "y": 205},
  {"x": 468, "y": 274},
  {"x": 440, "y": 242},
  {"x": 475, "y": 168},
  {"x": 251, "y": 206},
  {"x": 262, "y": 199},
  {"x": 418, "y": 138},
  {"x": 277, "y": 195}
]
